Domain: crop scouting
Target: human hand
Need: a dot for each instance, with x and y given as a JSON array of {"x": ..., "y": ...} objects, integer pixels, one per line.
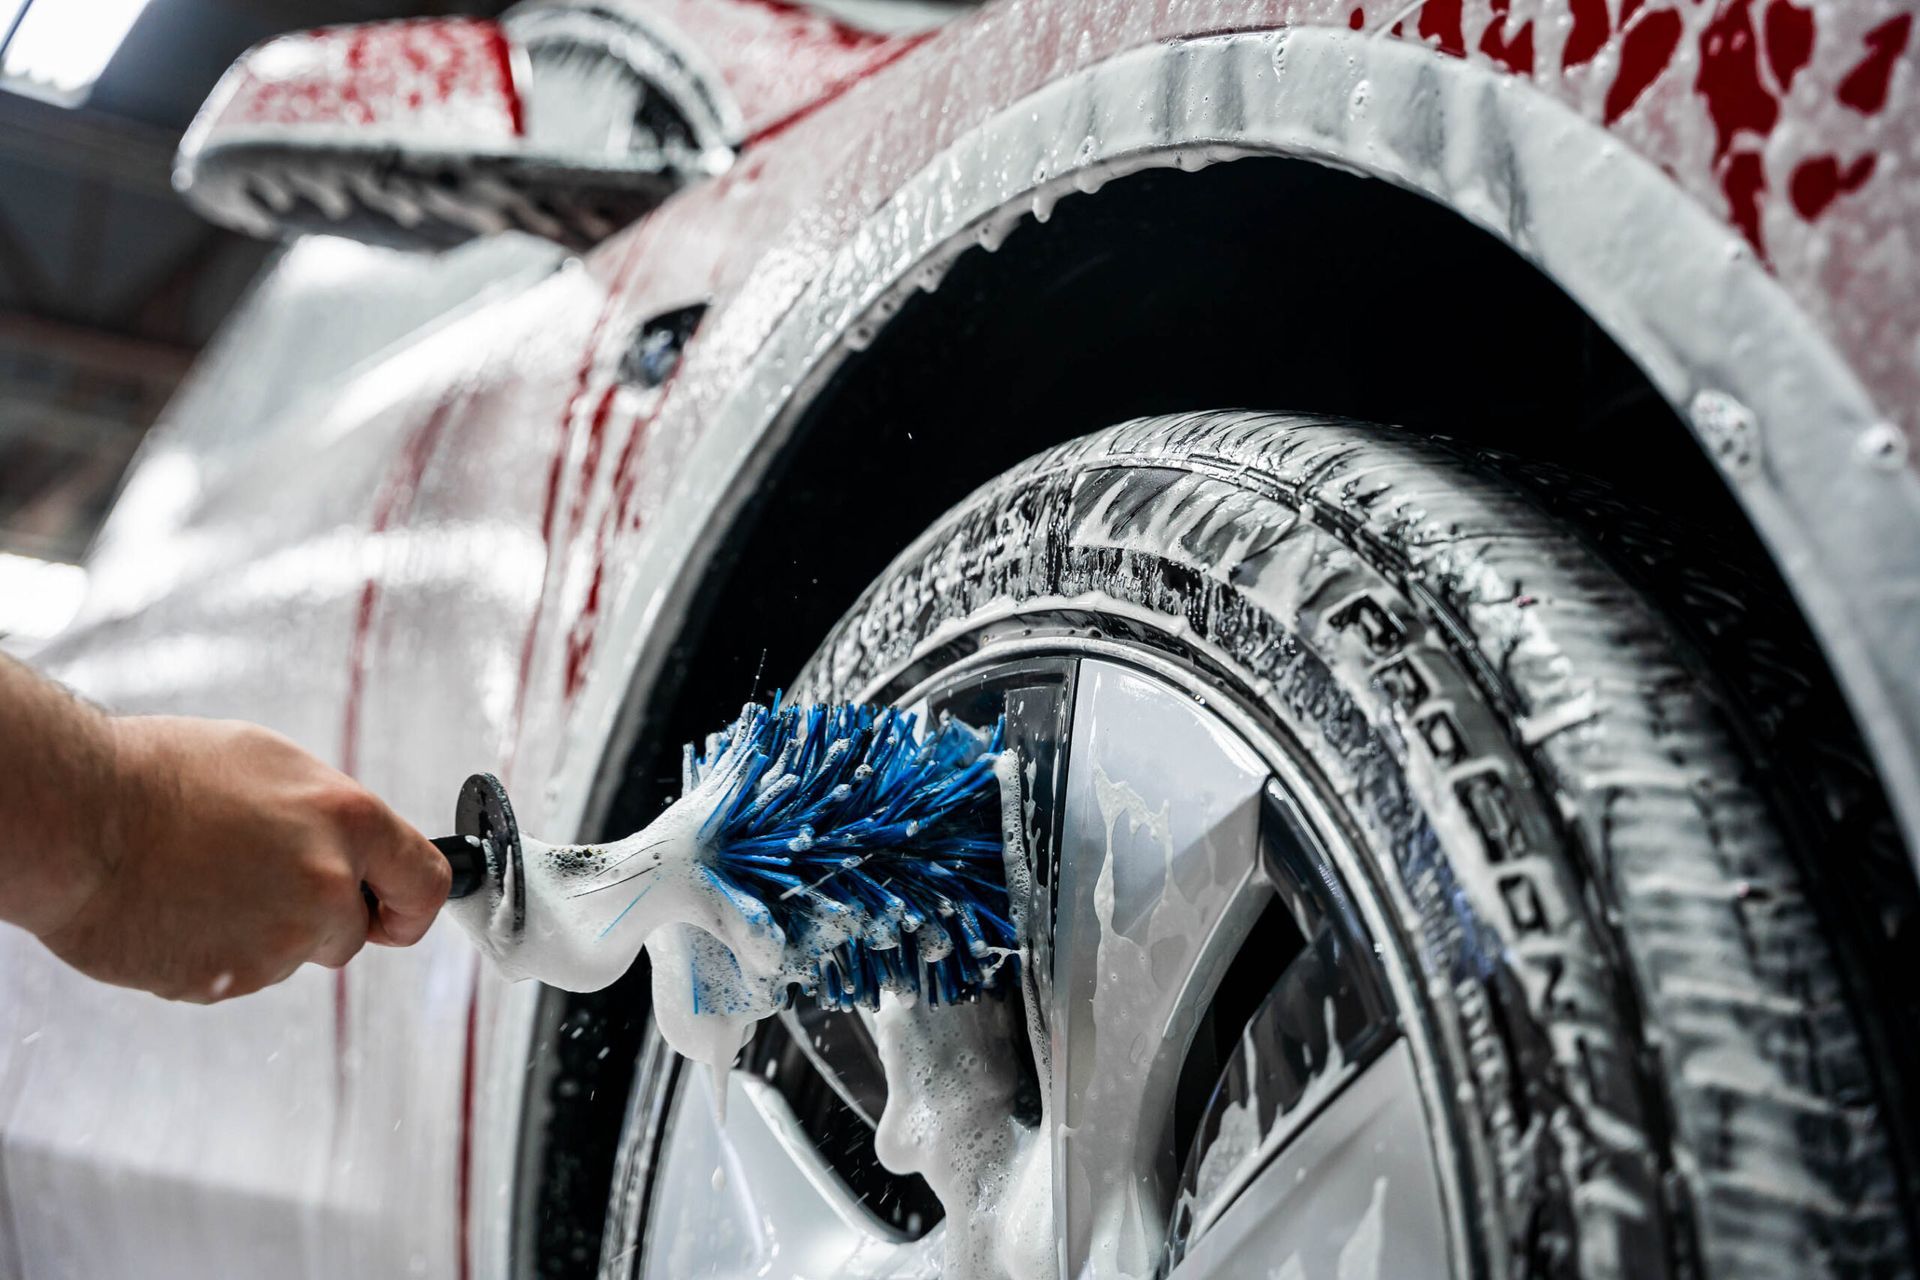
[{"x": 228, "y": 857}]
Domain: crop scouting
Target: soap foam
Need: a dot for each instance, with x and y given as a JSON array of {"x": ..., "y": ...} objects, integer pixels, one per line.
[
  {"x": 951, "y": 1082},
  {"x": 952, "y": 1076}
]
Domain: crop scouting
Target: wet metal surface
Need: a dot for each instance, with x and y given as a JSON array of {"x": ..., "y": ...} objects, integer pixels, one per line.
[
  {"x": 1154, "y": 898},
  {"x": 1353, "y": 1198}
]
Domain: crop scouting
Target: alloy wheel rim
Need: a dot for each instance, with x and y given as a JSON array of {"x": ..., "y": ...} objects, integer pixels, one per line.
[{"x": 1183, "y": 820}]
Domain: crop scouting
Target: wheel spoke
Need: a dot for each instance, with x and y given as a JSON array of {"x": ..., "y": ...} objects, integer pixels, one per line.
[
  {"x": 1353, "y": 1194},
  {"x": 755, "y": 1199},
  {"x": 1160, "y": 849}
]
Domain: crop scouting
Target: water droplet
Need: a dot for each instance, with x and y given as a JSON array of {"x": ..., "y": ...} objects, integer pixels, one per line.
[
  {"x": 1882, "y": 447},
  {"x": 1729, "y": 431}
]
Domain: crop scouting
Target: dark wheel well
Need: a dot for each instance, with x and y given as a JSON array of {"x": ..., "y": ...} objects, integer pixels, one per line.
[{"x": 1262, "y": 283}]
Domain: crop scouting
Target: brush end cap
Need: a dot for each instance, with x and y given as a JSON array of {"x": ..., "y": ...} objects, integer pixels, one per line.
[
  {"x": 486, "y": 828},
  {"x": 485, "y": 847}
]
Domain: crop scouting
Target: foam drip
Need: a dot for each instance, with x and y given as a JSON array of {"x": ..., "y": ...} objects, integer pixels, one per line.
[{"x": 951, "y": 1085}]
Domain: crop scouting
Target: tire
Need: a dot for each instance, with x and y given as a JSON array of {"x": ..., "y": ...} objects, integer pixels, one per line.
[{"x": 1644, "y": 1058}]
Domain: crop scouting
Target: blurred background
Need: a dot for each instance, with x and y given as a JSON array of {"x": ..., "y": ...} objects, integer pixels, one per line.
[{"x": 109, "y": 285}]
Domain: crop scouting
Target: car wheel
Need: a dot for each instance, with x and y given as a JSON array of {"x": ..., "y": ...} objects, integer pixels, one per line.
[{"x": 1399, "y": 903}]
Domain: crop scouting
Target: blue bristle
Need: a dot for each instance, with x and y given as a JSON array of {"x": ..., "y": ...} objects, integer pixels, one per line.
[{"x": 846, "y": 808}]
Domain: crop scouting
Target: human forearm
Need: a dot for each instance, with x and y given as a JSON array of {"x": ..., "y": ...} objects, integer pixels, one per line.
[
  {"x": 196, "y": 859},
  {"x": 58, "y": 800}
]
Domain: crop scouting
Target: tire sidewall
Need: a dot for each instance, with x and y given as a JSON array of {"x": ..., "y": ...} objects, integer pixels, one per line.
[{"x": 1527, "y": 1051}]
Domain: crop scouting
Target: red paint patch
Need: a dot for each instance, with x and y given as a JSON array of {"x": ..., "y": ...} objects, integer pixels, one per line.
[
  {"x": 1745, "y": 107},
  {"x": 1440, "y": 23},
  {"x": 581, "y": 635},
  {"x": 590, "y": 465},
  {"x": 503, "y": 67},
  {"x": 1357, "y": 20},
  {"x": 585, "y": 628},
  {"x": 1744, "y": 178},
  {"x": 1514, "y": 52},
  {"x": 357, "y": 677},
  {"x": 1591, "y": 27},
  {"x": 1818, "y": 182},
  {"x": 1646, "y": 50},
  {"x": 1789, "y": 32},
  {"x": 1737, "y": 99},
  {"x": 463, "y": 1193},
  {"x": 413, "y": 55},
  {"x": 388, "y": 72},
  {"x": 1865, "y": 88}
]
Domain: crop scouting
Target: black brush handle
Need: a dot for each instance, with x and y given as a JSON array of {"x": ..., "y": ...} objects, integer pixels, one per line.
[{"x": 469, "y": 863}]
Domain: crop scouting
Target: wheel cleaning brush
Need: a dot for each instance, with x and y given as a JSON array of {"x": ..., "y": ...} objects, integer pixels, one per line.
[{"x": 831, "y": 851}]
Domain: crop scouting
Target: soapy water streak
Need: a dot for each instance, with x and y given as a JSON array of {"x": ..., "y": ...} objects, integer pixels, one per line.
[
  {"x": 1242, "y": 1145},
  {"x": 950, "y": 1117},
  {"x": 1133, "y": 961}
]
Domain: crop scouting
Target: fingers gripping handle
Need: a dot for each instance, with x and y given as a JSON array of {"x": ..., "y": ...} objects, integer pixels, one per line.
[{"x": 486, "y": 845}]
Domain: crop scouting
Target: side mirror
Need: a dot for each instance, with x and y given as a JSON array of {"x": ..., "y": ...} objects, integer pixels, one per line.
[{"x": 567, "y": 123}]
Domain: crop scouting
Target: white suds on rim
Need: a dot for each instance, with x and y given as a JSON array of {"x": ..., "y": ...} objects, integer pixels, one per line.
[{"x": 951, "y": 1082}]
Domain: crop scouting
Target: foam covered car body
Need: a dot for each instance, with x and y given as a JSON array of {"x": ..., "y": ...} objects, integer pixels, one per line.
[{"x": 700, "y": 263}]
